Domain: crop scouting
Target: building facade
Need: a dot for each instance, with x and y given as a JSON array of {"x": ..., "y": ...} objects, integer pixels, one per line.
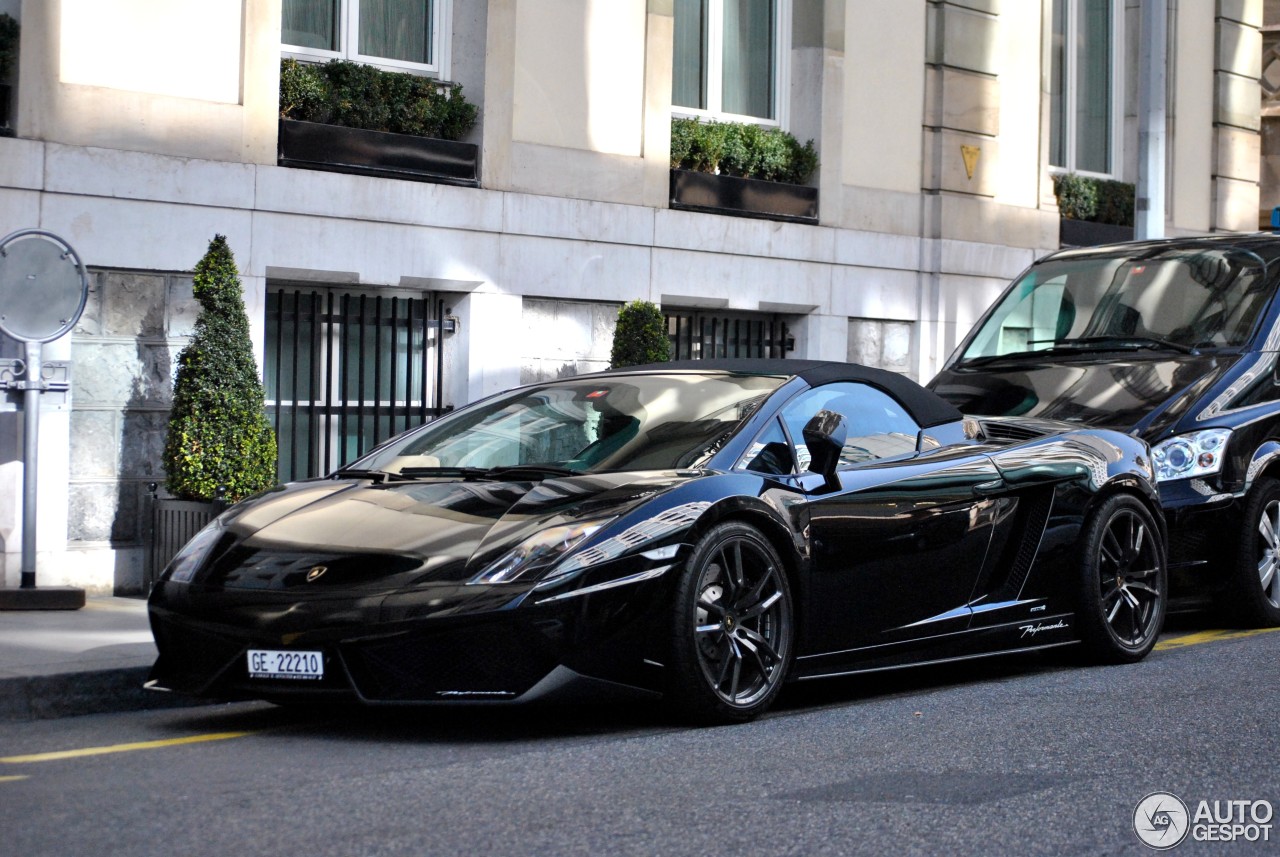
[{"x": 141, "y": 130}]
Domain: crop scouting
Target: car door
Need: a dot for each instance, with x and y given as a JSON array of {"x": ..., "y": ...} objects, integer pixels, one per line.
[{"x": 895, "y": 551}]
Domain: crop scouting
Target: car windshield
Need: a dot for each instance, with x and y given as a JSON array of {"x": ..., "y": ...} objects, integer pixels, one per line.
[
  {"x": 1172, "y": 298},
  {"x": 624, "y": 422}
]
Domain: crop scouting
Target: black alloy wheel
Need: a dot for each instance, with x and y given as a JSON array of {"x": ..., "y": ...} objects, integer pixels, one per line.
[
  {"x": 1253, "y": 593},
  {"x": 1124, "y": 581},
  {"x": 732, "y": 627}
]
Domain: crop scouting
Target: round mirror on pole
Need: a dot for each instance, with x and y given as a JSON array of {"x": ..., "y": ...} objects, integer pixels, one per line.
[{"x": 43, "y": 291}]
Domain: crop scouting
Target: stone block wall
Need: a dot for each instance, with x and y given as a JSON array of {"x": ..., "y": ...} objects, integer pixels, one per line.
[
  {"x": 564, "y": 338},
  {"x": 123, "y": 353},
  {"x": 883, "y": 343}
]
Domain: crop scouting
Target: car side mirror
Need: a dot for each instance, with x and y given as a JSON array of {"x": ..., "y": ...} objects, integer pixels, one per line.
[{"x": 824, "y": 435}]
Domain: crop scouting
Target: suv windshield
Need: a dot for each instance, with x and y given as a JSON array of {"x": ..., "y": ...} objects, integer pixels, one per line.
[
  {"x": 1170, "y": 298},
  {"x": 626, "y": 422}
]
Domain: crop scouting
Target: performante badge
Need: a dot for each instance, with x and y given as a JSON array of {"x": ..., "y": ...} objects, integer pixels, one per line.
[{"x": 316, "y": 572}]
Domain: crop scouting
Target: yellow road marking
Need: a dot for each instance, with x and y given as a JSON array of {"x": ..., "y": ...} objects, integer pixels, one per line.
[
  {"x": 1209, "y": 637},
  {"x": 120, "y": 748},
  {"x": 12, "y": 779}
]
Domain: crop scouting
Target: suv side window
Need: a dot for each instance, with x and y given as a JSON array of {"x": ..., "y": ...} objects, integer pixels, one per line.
[{"x": 879, "y": 427}]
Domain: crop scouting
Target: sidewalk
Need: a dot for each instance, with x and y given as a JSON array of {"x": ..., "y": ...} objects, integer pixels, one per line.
[{"x": 60, "y": 663}]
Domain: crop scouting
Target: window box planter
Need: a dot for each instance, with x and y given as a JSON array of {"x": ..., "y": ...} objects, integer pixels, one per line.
[
  {"x": 313, "y": 146},
  {"x": 1085, "y": 233},
  {"x": 697, "y": 191}
]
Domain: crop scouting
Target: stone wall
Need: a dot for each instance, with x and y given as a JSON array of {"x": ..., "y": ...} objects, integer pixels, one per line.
[
  {"x": 883, "y": 343},
  {"x": 563, "y": 338},
  {"x": 123, "y": 351}
]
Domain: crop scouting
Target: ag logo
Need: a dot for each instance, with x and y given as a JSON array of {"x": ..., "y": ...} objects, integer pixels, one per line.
[
  {"x": 1161, "y": 820},
  {"x": 315, "y": 573}
]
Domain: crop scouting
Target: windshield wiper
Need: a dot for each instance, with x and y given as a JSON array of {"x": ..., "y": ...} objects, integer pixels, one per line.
[
  {"x": 1084, "y": 343},
  {"x": 463, "y": 472},
  {"x": 1126, "y": 341},
  {"x": 358, "y": 473},
  {"x": 502, "y": 472},
  {"x": 532, "y": 470}
]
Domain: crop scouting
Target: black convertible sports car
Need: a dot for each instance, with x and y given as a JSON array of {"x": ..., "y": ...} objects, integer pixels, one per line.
[{"x": 705, "y": 531}]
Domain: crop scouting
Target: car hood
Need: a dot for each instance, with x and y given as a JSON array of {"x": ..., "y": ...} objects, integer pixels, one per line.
[
  {"x": 366, "y": 534},
  {"x": 1141, "y": 394}
]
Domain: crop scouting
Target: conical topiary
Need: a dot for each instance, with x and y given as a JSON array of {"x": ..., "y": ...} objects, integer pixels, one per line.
[
  {"x": 640, "y": 336},
  {"x": 219, "y": 439}
]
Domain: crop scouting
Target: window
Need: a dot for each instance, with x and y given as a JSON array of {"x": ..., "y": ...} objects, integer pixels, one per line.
[
  {"x": 878, "y": 427},
  {"x": 397, "y": 34},
  {"x": 1083, "y": 86},
  {"x": 727, "y": 62}
]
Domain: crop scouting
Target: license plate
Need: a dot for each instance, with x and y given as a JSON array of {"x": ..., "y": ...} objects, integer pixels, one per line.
[{"x": 266, "y": 663}]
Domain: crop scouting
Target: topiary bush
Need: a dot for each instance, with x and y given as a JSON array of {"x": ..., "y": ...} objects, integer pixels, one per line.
[
  {"x": 743, "y": 150},
  {"x": 361, "y": 96},
  {"x": 219, "y": 438},
  {"x": 640, "y": 337}
]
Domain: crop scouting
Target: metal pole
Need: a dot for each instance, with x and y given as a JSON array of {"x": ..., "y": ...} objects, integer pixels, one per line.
[
  {"x": 1152, "y": 89},
  {"x": 30, "y": 449}
]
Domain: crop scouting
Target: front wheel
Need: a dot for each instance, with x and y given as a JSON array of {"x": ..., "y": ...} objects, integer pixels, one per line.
[
  {"x": 732, "y": 627},
  {"x": 1253, "y": 592},
  {"x": 1124, "y": 584}
]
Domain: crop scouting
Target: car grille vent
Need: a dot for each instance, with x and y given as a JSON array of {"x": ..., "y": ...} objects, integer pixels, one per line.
[{"x": 1012, "y": 432}]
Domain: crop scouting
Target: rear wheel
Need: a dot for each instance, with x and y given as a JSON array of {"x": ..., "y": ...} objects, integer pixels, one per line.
[
  {"x": 732, "y": 627},
  {"x": 1124, "y": 582},
  {"x": 1253, "y": 593}
]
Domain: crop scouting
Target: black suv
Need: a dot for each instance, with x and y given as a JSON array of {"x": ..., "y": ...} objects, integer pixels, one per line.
[{"x": 1173, "y": 341}]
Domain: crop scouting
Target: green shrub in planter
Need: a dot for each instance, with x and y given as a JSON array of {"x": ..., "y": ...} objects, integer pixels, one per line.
[
  {"x": 9, "y": 31},
  {"x": 362, "y": 96},
  {"x": 1115, "y": 202},
  {"x": 640, "y": 337},
  {"x": 743, "y": 150},
  {"x": 1077, "y": 196},
  {"x": 219, "y": 437}
]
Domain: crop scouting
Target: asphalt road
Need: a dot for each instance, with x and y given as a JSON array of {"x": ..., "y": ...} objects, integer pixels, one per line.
[{"x": 1030, "y": 755}]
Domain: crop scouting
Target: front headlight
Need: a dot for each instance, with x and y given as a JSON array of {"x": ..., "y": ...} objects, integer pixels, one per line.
[
  {"x": 537, "y": 553},
  {"x": 184, "y": 566},
  {"x": 1199, "y": 453}
]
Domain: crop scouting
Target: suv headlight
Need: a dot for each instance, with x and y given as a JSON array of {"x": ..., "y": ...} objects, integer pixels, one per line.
[
  {"x": 537, "y": 553},
  {"x": 1199, "y": 453}
]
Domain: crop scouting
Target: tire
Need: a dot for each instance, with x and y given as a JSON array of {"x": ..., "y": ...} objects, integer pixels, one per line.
[
  {"x": 732, "y": 628},
  {"x": 1124, "y": 582},
  {"x": 1252, "y": 596}
]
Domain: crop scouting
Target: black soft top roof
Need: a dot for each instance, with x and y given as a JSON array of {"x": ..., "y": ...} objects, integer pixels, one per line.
[{"x": 925, "y": 407}]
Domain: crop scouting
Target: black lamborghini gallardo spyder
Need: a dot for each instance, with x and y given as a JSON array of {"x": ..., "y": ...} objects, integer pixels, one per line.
[{"x": 702, "y": 531}]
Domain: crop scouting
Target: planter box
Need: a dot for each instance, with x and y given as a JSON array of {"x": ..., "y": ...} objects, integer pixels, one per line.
[
  {"x": 314, "y": 146},
  {"x": 695, "y": 191},
  {"x": 173, "y": 523},
  {"x": 6, "y": 108},
  {"x": 1082, "y": 233}
]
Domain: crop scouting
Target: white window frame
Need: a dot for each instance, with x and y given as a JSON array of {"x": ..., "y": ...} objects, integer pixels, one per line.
[
  {"x": 715, "y": 71},
  {"x": 349, "y": 43},
  {"x": 1069, "y": 85}
]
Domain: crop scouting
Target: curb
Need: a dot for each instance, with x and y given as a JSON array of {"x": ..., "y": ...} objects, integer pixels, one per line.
[{"x": 72, "y": 694}]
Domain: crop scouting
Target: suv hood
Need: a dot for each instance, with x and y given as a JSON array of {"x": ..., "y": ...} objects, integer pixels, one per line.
[{"x": 1137, "y": 394}]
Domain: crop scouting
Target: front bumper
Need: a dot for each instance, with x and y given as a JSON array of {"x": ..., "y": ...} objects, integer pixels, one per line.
[
  {"x": 1204, "y": 527},
  {"x": 447, "y": 643}
]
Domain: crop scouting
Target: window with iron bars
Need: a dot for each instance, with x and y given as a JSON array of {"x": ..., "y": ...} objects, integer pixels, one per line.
[
  {"x": 345, "y": 370},
  {"x": 700, "y": 335}
]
